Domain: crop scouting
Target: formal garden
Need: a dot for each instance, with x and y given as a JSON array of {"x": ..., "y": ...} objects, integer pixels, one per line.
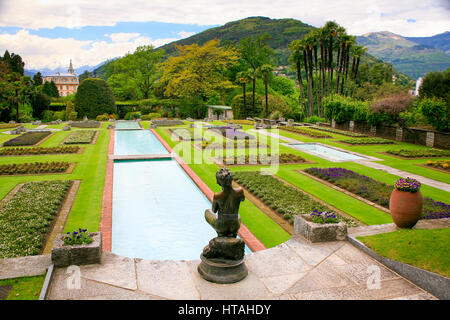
[{"x": 57, "y": 159}]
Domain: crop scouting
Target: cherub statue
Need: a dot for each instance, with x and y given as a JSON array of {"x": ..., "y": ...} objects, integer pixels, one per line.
[{"x": 227, "y": 221}]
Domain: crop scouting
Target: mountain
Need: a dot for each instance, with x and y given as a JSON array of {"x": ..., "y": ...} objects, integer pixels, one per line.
[
  {"x": 47, "y": 71},
  {"x": 440, "y": 41},
  {"x": 281, "y": 31},
  {"x": 413, "y": 58}
]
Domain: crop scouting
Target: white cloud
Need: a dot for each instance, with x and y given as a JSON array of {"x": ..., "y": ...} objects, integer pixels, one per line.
[
  {"x": 39, "y": 52},
  {"x": 185, "y": 34},
  {"x": 122, "y": 36},
  {"x": 357, "y": 16}
]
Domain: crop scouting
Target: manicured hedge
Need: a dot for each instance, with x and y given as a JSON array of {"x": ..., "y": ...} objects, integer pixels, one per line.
[
  {"x": 86, "y": 124},
  {"x": 431, "y": 153},
  {"x": 375, "y": 191},
  {"x": 25, "y": 219},
  {"x": 94, "y": 97},
  {"x": 27, "y": 139},
  {"x": 9, "y": 125},
  {"x": 38, "y": 150},
  {"x": 341, "y": 132},
  {"x": 306, "y": 132},
  {"x": 34, "y": 168},
  {"x": 81, "y": 137},
  {"x": 280, "y": 196},
  {"x": 367, "y": 141}
]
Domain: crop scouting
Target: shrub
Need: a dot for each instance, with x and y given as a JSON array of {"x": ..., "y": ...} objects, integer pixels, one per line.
[
  {"x": 306, "y": 131},
  {"x": 387, "y": 110},
  {"x": 436, "y": 112},
  {"x": 47, "y": 115},
  {"x": 86, "y": 124},
  {"x": 25, "y": 118},
  {"x": 367, "y": 141},
  {"x": 94, "y": 97},
  {"x": 423, "y": 153},
  {"x": 276, "y": 115},
  {"x": 72, "y": 116},
  {"x": 237, "y": 105},
  {"x": 343, "y": 109},
  {"x": 59, "y": 115},
  {"x": 132, "y": 115},
  {"x": 38, "y": 150},
  {"x": 314, "y": 119},
  {"x": 102, "y": 117},
  {"x": 33, "y": 168}
]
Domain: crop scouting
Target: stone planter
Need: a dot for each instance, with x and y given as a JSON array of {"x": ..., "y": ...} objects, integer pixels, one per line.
[
  {"x": 406, "y": 208},
  {"x": 63, "y": 255},
  {"x": 316, "y": 232}
]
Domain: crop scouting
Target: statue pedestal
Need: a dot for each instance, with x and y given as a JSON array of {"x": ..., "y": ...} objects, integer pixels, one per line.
[
  {"x": 222, "y": 260},
  {"x": 221, "y": 270}
]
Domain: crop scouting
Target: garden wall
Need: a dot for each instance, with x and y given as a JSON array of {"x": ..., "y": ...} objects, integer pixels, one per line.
[{"x": 435, "y": 139}]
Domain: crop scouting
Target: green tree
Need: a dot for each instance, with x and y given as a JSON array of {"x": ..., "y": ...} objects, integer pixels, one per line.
[
  {"x": 437, "y": 112},
  {"x": 50, "y": 89},
  {"x": 39, "y": 102},
  {"x": 37, "y": 79},
  {"x": 134, "y": 75},
  {"x": 244, "y": 78},
  {"x": 436, "y": 84},
  {"x": 70, "y": 109},
  {"x": 94, "y": 97},
  {"x": 266, "y": 71},
  {"x": 86, "y": 74}
]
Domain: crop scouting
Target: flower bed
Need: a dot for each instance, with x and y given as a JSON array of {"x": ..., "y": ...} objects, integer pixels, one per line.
[
  {"x": 186, "y": 134},
  {"x": 231, "y": 133},
  {"x": 86, "y": 124},
  {"x": 341, "y": 132},
  {"x": 374, "y": 191},
  {"x": 8, "y": 125},
  {"x": 262, "y": 159},
  {"x": 34, "y": 168},
  {"x": 241, "y": 122},
  {"x": 440, "y": 164},
  {"x": 167, "y": 122},
  {"x": 81, "y": 137},
  {"x": 281, "y": 197},
  {"x": 27, "y": 139},
  {"x": 236, "y": 145},
  {"x": 364, "y": 141},
  {"x": 422, "y": 153},
  {"x": 306, "y": 132},
  {"x": 25, "y": 219},
  {"x": 38, "y": 150}
]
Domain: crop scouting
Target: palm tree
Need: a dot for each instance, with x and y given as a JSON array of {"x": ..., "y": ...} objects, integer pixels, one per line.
[
  {"x": 253, "y": 74},
  {"x": 331, "y": 29},
  {"x": 297, "y": 51},
  {"x": 265, "y": 70},
  {"x": 243, "y": 78}
]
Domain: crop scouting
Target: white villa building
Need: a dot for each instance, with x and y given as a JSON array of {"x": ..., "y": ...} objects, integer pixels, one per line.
[{"x": 67, "y": 83}]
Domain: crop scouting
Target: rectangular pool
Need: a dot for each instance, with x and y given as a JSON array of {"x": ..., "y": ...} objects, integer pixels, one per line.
[
  {"x": 327, "y": 153},
  {"x": 122, "y": 124},
  {"x": 158, "y": 212},
  {"x": 137, "y": 142}
]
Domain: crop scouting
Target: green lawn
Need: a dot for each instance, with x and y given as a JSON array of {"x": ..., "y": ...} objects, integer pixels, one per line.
[
  {"x": 425, "y": 249},
  {"x": 27, "y": 288}
]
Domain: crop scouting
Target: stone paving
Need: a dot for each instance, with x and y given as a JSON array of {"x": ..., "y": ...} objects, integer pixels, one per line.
[{"x": 293, "y": 270}]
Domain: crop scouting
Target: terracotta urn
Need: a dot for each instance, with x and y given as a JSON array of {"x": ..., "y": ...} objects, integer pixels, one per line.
[{"x": 406, "y": 207}]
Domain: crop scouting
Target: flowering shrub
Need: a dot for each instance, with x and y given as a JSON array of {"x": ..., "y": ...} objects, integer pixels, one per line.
[
  {"x": 25, "y": 219},
  {"x": 80, "y": 137},
  {"x": 281, "y": 197},
  {"x": 324, "y": 217},
  {"x": 442, "y": 164},
  {"x": 422, "y": 153},
  {"x": 34, "y": 168},
  {"x": 38, "y": 150},
  {"x": 27, "y": 139},
  {"x": 375, "y": 191},
  {"x": 81, "y": 236},
  {"x": 408, "y": 184},
  {"x": 367, "y": 141},
  {"x": 306, "y": 132}
]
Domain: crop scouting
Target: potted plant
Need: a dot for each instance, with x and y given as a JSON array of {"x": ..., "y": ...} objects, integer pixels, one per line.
[
  {"x": 320, "y": 226},
  {"x": 406, "y": 202},
  {"x": 77, "y": 248}
]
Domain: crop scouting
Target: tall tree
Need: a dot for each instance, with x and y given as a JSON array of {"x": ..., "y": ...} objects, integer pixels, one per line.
[
  {"x": 266, "y": 70},
  {"x": 37, "y": 79},
  {"x": 243, "y": 78}
]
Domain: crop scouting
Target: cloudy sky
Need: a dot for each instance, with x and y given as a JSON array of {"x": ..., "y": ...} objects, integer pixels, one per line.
[{"x": 47, "y": 33}]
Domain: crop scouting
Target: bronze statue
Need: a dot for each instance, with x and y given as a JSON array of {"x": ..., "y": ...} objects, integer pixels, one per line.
[
  {"x": 227, "y": 221},
  {"x": 222, "y": 260}
]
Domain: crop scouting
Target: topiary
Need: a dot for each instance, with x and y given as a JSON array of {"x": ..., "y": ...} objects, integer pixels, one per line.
[{"x": 94, "y": 97}]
